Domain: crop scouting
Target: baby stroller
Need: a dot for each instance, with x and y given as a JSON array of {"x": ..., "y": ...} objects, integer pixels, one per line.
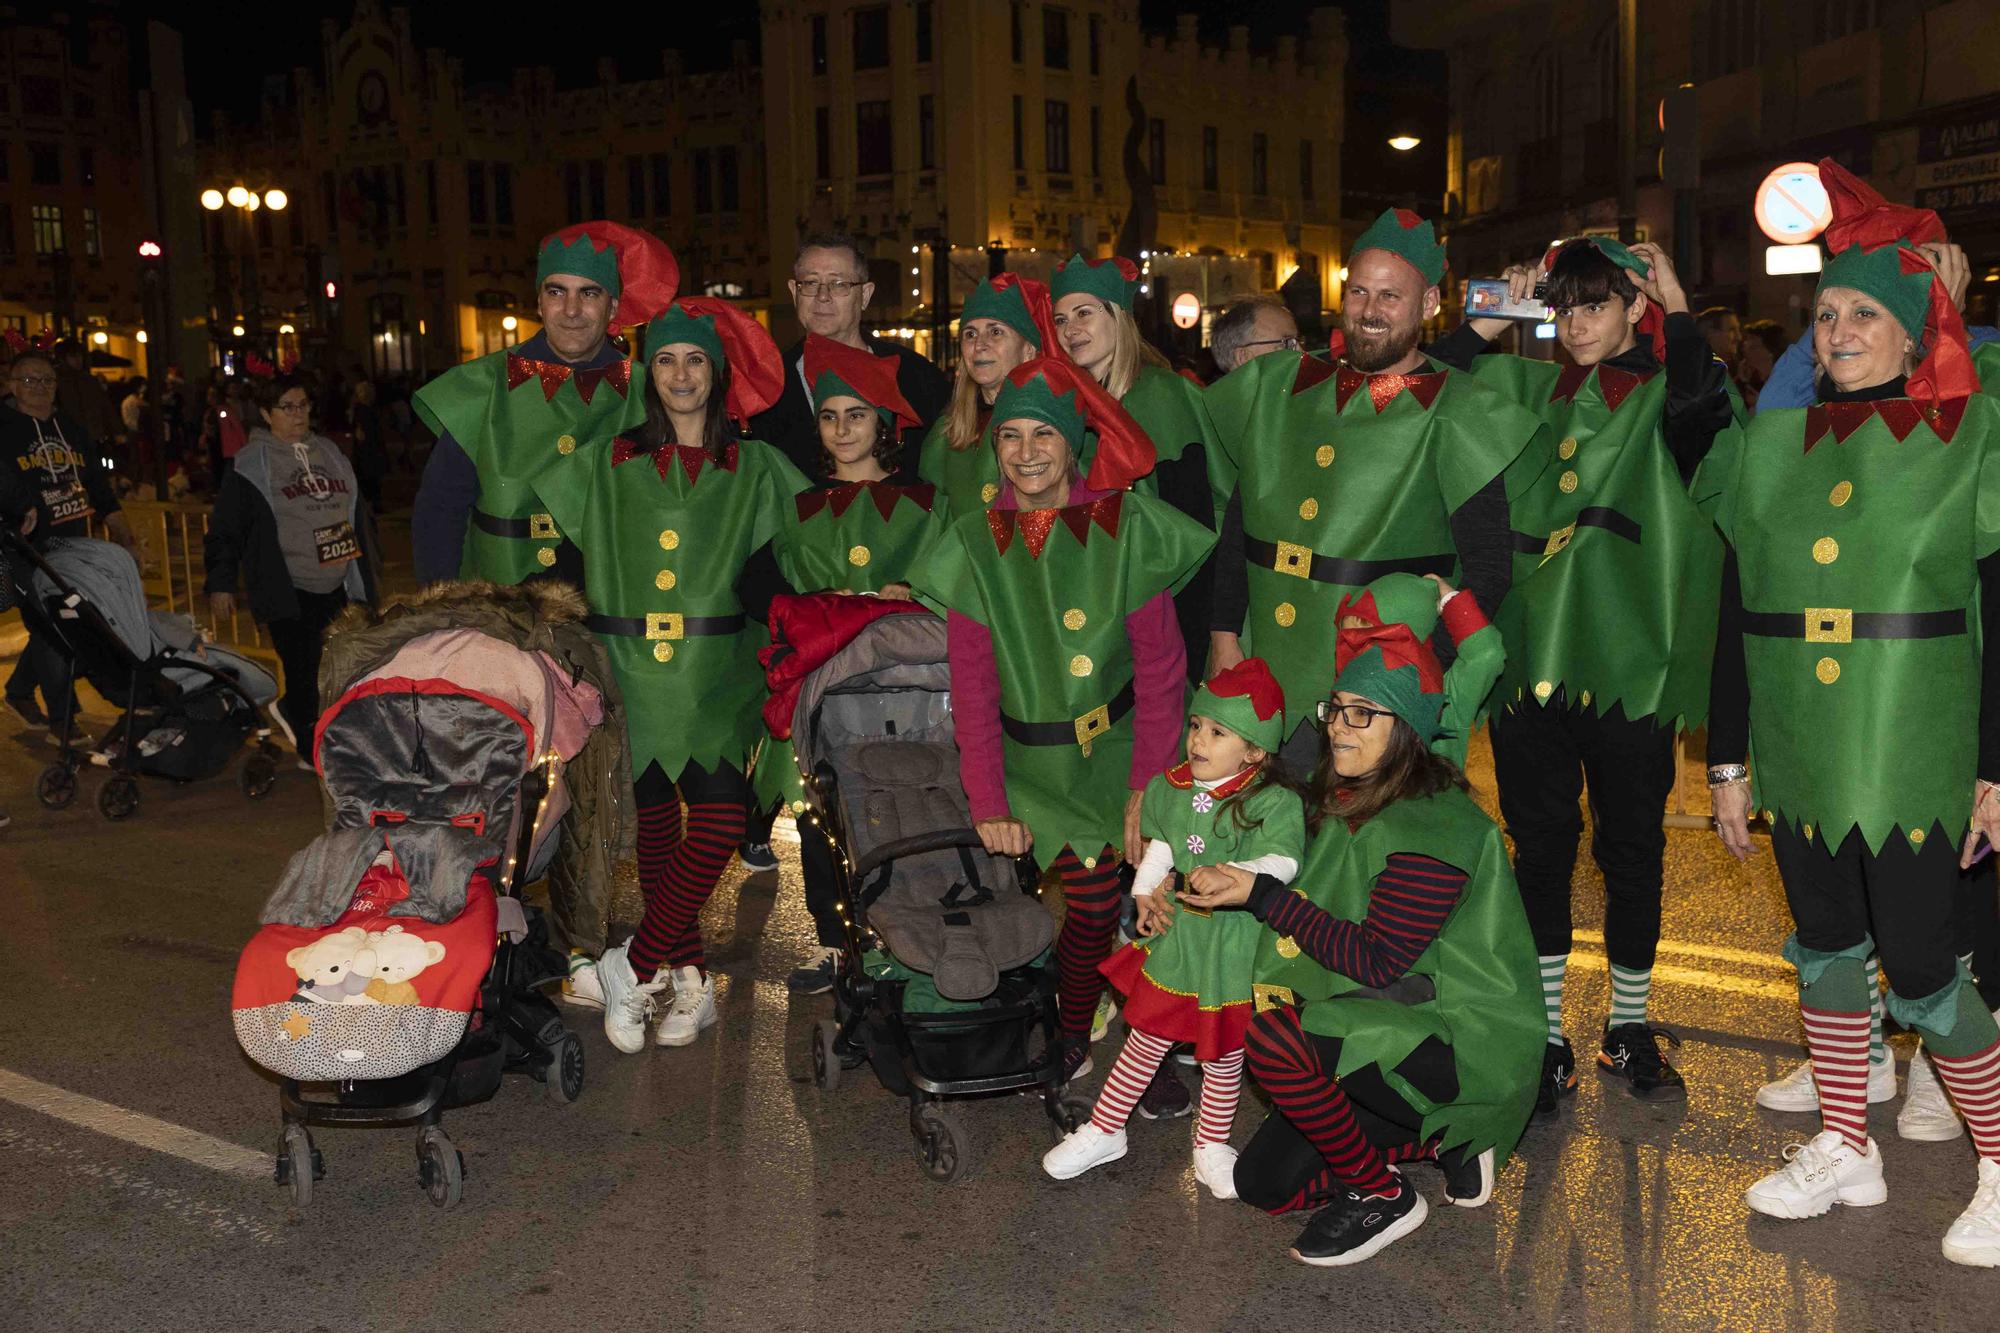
[
  {"x": 946, "y": 987},
  {"x": 186, "y": 707},
  {"x": 398, "y": 971}
]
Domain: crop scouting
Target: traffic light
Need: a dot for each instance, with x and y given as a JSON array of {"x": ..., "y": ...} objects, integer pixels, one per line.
[
  {"x": 1680, "y": 143},
  {"x": 332, "y": 291}
]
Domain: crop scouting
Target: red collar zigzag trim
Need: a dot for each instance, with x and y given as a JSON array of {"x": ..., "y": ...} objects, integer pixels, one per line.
[
  {"x": 1382, "y": 389},
  {"x": 1035, "y": 525},
  {"x": 1613, "y": 384},
  {"x": 691, "y": 457},
  {"x": 521, "y": 369},
  {"x": 1181, "y": 776},
  {"x": 1900, "y": 415},
  {"x": 884, "y": 494}
]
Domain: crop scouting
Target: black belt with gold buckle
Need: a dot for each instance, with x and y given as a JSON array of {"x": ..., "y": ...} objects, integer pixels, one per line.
[
  {"x": 1834, "y": 624},
  {"x": 1079, "y": 731},
  {"x": 1305, "y": 563}
]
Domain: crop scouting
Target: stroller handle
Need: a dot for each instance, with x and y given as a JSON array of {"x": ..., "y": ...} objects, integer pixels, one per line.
[{"x": 938, "y": 840}]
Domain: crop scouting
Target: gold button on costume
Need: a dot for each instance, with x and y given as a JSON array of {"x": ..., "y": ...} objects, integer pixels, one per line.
[
  {"x": 665, "y": 580},
  {"x": 1841, "y": 494},
  {"x": 1285, "y": 613},
  {"x": 1074, "y": 618},
  {"x": 1567, "y": 448},
  {"x": 1826, "y": 550},
  {"x": 1827, "y": 670},
  {"x": 565, "y": 444},
  {"x": 1310, "y": 509},
  {"x": 857, "y": 556},
  {"x": 663, "y": 652},
  {"x": 1567, "y": 482},
  {"x": 670, "y": 540},
  {"x": 546, "y": 556},
  {"x": 1324, "y": 455},
  {"x": 1081, "y": 665},
  {"x": 987, "y": 492},
  {"x": 1543, "y": 689}
]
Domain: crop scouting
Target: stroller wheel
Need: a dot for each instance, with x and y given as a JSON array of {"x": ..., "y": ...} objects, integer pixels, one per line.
[
  {"x": 1069, "y": 1112},
  {"x": 299, "y": 1164},
  {"x": 56, "y": 787},
  {"x": 440, "y": 1167},
  {"x": 257, "y": 776},
  {"x": 564, "y": 1077},
  {"x": 826, "y": 1064},
  {"x": 942, "y": 1145},
  {"x": 118, "y": 798}
]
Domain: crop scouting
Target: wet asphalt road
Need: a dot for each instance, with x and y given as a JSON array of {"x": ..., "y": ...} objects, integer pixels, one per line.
[{"x": 715, "y": 1187}]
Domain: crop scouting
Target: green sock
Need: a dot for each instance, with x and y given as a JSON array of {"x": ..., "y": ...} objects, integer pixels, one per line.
[
  {"x": 1553, "y": 967},
  {"x": 1630, "y": 988},
  {"x": 1878, "y": 1049}
]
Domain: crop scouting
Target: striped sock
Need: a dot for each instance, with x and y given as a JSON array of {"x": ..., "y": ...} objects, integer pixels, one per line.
[
  {"x": 1974, "y": 1083},
  {"x": 1138, "y": 1060},
  {"x": 1878, "y": 1049},
  {"x": 1631, "y": 987},
  {"x": 1090, "y": 919},
  {"x": 1554, "y": 966},
  {"x": 1839, "y": 1045},
  {"x": 1288, "y": 1069},
  {"x": 1221, "y": 1081},
  {"x": 670, "y": 930}
]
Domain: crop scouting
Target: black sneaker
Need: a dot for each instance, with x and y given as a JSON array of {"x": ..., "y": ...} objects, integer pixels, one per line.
[
  {"x": 1631, "y": 1051},
  {"x": 1354, "y": 1227},
  {"x": 1468, "y": 1177},
  {"x": 757, "y": 857},
  {"x": 30, "y": 711},
  {"x": 1166, "y": 1097},
  {"x": 1558, "y": 1078},
  {"x": 816, "y": 977}
]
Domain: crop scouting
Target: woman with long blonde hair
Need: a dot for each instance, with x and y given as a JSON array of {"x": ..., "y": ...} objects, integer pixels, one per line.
[{"x": 1006, "y": 321}]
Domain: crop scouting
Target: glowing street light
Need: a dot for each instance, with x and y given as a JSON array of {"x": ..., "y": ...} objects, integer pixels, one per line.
[
  {"x": 142, "y": 337},
  {"x": 238, "y": 196},
  {"x": 211, "y": 200},
  {"x": 509, "y": 323},
  {"x": 1403, "y": 143},
  {"x": 251, "y": 202},
  {"x": 236, "y": 330},
  {"x": 286, "y": 328},
  {"x": 275, "y": 200},
  {"x": 100, "y": 337}
]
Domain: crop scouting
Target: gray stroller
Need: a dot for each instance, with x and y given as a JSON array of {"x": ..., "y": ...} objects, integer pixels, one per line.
[{"x": 946, "y": 989}]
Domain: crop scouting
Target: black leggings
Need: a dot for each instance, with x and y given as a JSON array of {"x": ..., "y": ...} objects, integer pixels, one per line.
[{"x": 297, "y": 640}]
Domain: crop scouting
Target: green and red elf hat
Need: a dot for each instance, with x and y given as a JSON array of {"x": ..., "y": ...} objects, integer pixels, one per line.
[
  {"x": 1022, "y": 304},
  {"x": 1872, "y": 245},
  {"x": 1248, "y": 700},
  {"x": 1393, "y": 599},
  {"x": 1653, "y": 323},
  {"x": 1115, "y": 281},
  {"x": 1410, "y": 238},
  {"x": 1058, "y": 394},
  {"x": 756, "y": 369},
  {"x": 836, "y": 370},
  {"x": 1389, "y": 663},
  {"x": 634, "y": 266}
]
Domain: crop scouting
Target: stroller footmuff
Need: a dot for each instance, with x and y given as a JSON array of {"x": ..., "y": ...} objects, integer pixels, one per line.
[
  {"x": 945, "y": 987},
  {"x": 397, "y": 972}
]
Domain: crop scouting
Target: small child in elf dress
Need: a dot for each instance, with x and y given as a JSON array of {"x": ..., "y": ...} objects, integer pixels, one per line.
[{"x": 1188, "y": 978}]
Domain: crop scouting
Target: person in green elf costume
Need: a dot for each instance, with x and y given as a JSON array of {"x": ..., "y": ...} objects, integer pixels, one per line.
[
  {"x": 1398, "y": 1017},
  {"x": 673, "y": 523},
  {"x": 502, "y": 418},
  {"x": 1225, "y": 805},
  {"x": 1006, "y": 321},
  {"x": 1382, "y": 462},
  {"x": 1093, "y": 318},
  {"x": 1610, "y": 623},
  {"x": 1067, "y": 671},
  {"x": 857, "y": 531},
  {"x": 1424, "y": 603},
  {"x": 1852, "y": 675}
]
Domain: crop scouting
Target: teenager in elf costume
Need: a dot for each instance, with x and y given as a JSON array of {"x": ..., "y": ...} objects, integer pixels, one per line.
[
  {"x": 672, "y": 522},
  {"x": 1385, "y": 462},
  {"x": 1093, "y": 318},
  {"x": 1067, "y": 668},
  {"x": 1610, "y": 624},
  {"x": 502, "y": 418},
  {"x": 1189, "y": 981},
  {"x": 1850, "y": 672},
  {"x": 1423, "y": 604},
  {"x": 1398, "y": 1017},
  {"x": 1006, "y": 321},
  {"x": 855, "y": 532}
]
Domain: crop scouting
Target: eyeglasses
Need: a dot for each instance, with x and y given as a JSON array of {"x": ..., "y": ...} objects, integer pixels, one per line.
[
  {"x": 1356, "y": 716},
  {"x": 1289, "y": 344},
  {"x": 35, "y": 381},
  {"x": 289, "y": 406},
  {"x": 835, "y": 288}
]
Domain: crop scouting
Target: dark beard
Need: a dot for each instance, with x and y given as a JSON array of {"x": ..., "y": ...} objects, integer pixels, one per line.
[{"x": 1379, "y": 352}]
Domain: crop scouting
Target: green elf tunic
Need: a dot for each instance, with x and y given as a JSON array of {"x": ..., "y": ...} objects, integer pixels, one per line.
[
  {"x": 1345, "y": 477},
  {"x": 514, "y": 416},
  {"x": 1607, "y": 530},
  {"x": 664, "y": 537},
  {"x": 1053, "y": 586},
  {"x": 1857, "y": 528},
  {"x": 966, "y": 479},
  {"x": 1192, "y": 983},
  {"x": 853, "y": 537},
  {"x": 1487, "y": 1007}
]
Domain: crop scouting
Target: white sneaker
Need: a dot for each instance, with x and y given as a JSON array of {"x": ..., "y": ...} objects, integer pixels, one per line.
[
  {"x": 1927, "y": 1115},
  {"x": 1796, "y": 1091},
  {"x": 1107, "y": 1009},
  {"x": 692, "y": 1010},
  {"x": 581, "y": 987},
  {"x": 1082, "y": 1148},
  {"x": 628, "y": 1002},
  {"x": 1817, "y": 1175},
  {"x": 1215, "y": 1167},
  {"x": 1974, "y": 1239}
]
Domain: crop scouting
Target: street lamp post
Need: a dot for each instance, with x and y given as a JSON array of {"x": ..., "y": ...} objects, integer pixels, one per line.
[{"x": 246, "y": 202}]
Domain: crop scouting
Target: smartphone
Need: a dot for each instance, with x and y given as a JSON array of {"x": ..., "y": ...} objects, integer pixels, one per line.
[{"x": 1486, "y": 298}]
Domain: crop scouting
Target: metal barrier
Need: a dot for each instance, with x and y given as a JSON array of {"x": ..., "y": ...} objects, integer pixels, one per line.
[{"x": 1678, "y": 814}]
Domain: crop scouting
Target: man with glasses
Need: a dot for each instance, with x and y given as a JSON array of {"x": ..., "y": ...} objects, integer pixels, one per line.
[
  {"x": 830, "y": 290},
  {"x": 1252, "y": 328},
  {"x": 50, "y": 465}
]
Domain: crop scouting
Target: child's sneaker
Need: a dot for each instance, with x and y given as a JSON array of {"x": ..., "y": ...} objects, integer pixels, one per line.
[
  {"x": 581, "y": 987},
  {"x": 1215, "y": 1167},
  {"x": 693, "y": 1008},
  {"x": 1107, "y": 1009},
  {"x": 1082, "y": 1148}
]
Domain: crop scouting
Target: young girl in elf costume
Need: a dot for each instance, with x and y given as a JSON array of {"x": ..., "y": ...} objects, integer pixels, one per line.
[
  {"x": 1189, "y": 980},
  {"x": 855, "y": 532},
  {"x": 1006, "y": 321},
  {"x": 668, "y": 520}
]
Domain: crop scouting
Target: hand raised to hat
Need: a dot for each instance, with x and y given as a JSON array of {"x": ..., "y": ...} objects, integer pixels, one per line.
[
  {"x": 1661, "y": 284},
  {"x": 1952, "y": 270}
]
